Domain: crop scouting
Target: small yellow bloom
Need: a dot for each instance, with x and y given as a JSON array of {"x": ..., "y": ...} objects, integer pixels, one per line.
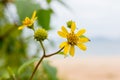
[
  {"x": 73, "y": 39},
  {"x": 28, "y": 22}
]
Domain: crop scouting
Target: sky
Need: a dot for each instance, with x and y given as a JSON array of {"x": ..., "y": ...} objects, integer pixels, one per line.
[{"x": 101, "y": 18}]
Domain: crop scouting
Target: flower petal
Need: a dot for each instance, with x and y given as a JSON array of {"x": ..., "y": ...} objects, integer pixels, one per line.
[
  {"x": 33, "y": 16},
  {"x": 64, "y": 30},
  {"x": 27, "y": 19},
  {"x": 83, "y": 40},
  {"x": 62, "y": 34},
  {"x": 73, "y": 26},
  {"x": 80, "y": 32},
  {"x": 66, "y": 48},
  {"x": 21, "y": 27},
  {"x": 62, "y": 44},
  {"x": 34, "y": 19},
  {"x": 72, "y": 50},
  {"x": 82, "y": 46}
]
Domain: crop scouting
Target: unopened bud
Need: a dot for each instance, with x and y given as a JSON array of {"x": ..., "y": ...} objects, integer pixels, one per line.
[
  {"x": 69, "y": 23},
  {"x": 40, "y": 34}
]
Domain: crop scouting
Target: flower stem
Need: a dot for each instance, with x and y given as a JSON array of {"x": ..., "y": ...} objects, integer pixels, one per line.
[
  {"x": 36, "y": 67},
  {"x": 39, "y": 60},
  {"x": 54, "y": 53},
  {"x": 44, "y": 56},
  {"x": 42, "y": 48}
]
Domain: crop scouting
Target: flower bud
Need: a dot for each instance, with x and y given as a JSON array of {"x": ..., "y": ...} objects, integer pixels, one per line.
[
  {"x": 69, "y": 23},
  {"x": 40, "y": 34}
]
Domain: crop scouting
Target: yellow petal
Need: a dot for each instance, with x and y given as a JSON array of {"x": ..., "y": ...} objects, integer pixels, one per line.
[
  {"x": 83, "y": 40},
  {"x": 80, "y": 32},
  {"x": 62, "y": 44},
  {"x": 21, "y": 27},
  {"x": 60, "y": 33},
  {"x": 66, "y": 48},
  {"x": 27, "y": 19},
  {"x": 72, "y": 51},
  {"x": 82, "y": 46},
  {"x": 73, "y": 26},
  {"x": 33, "y": 16},
  {"x": 64, "y": 30}
]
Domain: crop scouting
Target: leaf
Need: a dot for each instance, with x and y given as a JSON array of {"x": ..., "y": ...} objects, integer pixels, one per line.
[
  {"x": 11, "y": 73},
  {"x": 61, "y": 53},
  {"x": 48, "y": 1},
  {"x": 26, "y": 64},
  {"x": 44, "y": 18},
  {"x": 25, "y": 8},
  {"x": 83, "y": 36}
]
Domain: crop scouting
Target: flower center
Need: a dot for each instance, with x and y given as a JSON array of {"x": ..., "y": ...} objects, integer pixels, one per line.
[
  {"x": 27, "y": 22},
  {"x": 72, "y": 38}
]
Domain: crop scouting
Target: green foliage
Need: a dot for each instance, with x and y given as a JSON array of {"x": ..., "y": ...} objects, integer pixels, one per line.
[
  {"x": 11, "y": 73},
  {"x": 44, "y": 18},
  {"x": 83, "y": 36},
  {"x": 13, "y": 46},
  {"x": 48, "y": 1},
  {"x": 61, "y": 53},
  {"x": 25, "y": 8},
  {"x": 26, "y": 64}
]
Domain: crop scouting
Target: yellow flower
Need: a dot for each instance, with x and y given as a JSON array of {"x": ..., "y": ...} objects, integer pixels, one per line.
[
  {"x": 72, "y": 39},
  {"x": 28, "y": 22}
]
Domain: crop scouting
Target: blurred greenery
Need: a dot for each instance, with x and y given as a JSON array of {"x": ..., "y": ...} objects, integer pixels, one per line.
[
  {"x": 44, "y": 18},
  {"x": 15, "y": 62},
  {"x": 25, "y": 8}
]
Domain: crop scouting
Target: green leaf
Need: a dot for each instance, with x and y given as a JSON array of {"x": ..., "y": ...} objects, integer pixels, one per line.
[
  {"x": 83, "y": 36},
  {"x": 26, "y": 64},
  {"x": 61, "y": 53},
  {"x": 25, "y": 8},
  {"x": 44, "y": 18},
  {"x": 48, "y": 1},
  {"x": 11, "y": 73}
]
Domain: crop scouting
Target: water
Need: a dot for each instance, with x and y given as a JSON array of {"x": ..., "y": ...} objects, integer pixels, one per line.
[
  {"x": 104, "y": 47},
  {"x": 99, "y": 47}
]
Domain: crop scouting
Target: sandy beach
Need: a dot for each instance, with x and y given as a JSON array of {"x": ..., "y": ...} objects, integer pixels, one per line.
[{"x": 88, "y": 68}]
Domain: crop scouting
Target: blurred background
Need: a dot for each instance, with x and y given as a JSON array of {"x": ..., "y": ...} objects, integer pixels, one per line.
[{"x": 100, "y": 18}]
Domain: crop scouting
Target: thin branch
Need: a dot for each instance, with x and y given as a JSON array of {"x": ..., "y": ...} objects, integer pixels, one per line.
[
  {"x": 42, "y": 48},
  {"x": 54, "y": 53},
  {"x": 36, "y": 67},
  {"x": 44, "y": 56}
]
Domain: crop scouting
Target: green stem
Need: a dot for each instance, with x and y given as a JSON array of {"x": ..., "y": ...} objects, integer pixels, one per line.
[
  {"x": 36, "y": 67},
  {"x": 44, "y": 56},
  {"x": 54, "y": 53},
  {"x": 42, "y": 48}
]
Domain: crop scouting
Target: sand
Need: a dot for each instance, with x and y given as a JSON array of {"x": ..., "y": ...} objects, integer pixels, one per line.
[{"x": 88, "y": 68}]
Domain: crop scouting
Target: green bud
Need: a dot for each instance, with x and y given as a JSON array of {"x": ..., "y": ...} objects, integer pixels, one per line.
[
  {"x": 69, "y": 23},
  {"x": 40, "y": 34}
]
